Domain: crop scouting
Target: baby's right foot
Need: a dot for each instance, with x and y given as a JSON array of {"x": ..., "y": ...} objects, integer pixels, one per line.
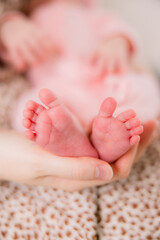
[{"x": 54, "y": 128}]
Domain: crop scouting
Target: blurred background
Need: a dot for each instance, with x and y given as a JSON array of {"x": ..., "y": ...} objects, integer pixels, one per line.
[{"x": 144, "y": 17}]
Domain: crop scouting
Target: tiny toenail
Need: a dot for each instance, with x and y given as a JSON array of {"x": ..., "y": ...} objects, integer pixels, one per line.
[{"x": 102, "y": 172}]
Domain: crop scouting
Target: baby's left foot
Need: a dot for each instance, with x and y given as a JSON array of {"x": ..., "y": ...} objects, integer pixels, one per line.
[{"x": 112, "y": 137}]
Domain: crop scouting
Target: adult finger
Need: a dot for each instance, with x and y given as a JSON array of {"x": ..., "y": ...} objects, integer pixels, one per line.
[
  {"x": 146, "y": 137},
  {"x": 83, "y": 168},
  {"x": 121, "y": 168},
  {"x": 66, "y": 184}
]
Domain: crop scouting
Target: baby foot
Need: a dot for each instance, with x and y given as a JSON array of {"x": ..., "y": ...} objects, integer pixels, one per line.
[
  {"x": 54, "y": 128},
  {"x": 112, "y": 137}
]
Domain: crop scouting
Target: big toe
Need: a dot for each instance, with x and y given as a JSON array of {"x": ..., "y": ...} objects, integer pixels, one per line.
[
  {"x": 47, "y": 97},
  {"x": 108, "y": 107}
]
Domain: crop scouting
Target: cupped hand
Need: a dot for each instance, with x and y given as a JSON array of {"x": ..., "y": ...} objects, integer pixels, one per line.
[
  {"x": 23, "y": 43},
  {"x": 121, "y": 168},
  {"x": 25, "y": 162},
  {"x": 111, "y": 56}
]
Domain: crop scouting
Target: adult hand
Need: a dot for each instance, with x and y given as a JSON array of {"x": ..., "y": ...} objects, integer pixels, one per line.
[
  {"x": 121, "y": 168},
  {"x": 24, "y": 161}
]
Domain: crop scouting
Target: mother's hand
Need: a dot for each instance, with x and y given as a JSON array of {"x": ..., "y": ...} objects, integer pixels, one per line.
[
  {"x": 25, "y": 162},
  {"x": 121, "y": 168}
]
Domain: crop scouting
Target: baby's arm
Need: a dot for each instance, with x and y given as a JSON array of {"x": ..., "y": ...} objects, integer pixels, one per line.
[
  {"x": 116, "y": 44},
  {"x": 22, "y": 43}
]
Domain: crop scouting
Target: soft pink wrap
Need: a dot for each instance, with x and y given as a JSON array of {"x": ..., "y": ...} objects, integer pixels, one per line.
[{"x": 76, "y": 31}]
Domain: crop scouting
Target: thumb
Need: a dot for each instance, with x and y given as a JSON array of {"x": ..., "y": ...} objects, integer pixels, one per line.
[
  {"x": 79, "y": 168},
  {"x": 146, "y": 137}
]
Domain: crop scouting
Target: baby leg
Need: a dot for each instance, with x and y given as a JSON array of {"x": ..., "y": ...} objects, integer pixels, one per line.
[
  {"x": 113, "y": 136},
  {"x": 55, "y": 128}
]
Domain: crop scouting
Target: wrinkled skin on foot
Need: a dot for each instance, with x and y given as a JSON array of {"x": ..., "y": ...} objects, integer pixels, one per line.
[
  {"x": 113, "y": 136},
  {"x": 55, "y": 128}
]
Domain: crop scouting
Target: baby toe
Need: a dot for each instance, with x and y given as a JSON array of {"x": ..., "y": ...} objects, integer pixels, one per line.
[
  {"x": 30, "y": 135},
  {"x": 39, "y": 109},
  {"x": 27, "y": 123},
  {"x": 32, "y": 127},
  {"x": 134, "y": 140},
  {"x": 31, "y": 105},
  {"x": 132, "y": 123},
  {"x": 28, "y": 114},
  {"x": 34, "y": 118},
  {"x": 127, "y": 115},
  {"x": 108, "y": 107},
  {"x": 35, "y": 107},
  {"x": 136, "y": 131}
]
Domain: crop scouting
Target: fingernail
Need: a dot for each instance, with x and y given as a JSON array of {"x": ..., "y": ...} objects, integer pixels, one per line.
[{"x": 103, "y": 172}]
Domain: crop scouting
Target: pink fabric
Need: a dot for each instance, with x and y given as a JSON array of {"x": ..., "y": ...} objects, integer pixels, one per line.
[
  {"x": 77, "y": 31},
  {"x": 89, "y": 2},
  {"x": 71, "y": 26}
]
